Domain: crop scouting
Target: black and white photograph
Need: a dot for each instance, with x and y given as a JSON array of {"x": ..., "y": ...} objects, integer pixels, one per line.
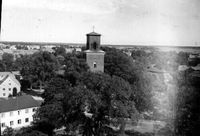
[{"x": 100, "y": 68}]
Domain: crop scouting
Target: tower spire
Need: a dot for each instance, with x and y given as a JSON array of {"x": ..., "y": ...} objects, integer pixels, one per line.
[{"x": 93, "y": 27}]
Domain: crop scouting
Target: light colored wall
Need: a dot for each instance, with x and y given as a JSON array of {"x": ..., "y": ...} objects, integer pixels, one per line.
[
  {"x": 7, "y": 117},
  {"x": 95, "y": 57},
  {"x": 8, "y": 83}
]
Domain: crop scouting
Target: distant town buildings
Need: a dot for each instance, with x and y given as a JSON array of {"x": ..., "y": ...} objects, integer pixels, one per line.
[{"x": 17, "y": 49}]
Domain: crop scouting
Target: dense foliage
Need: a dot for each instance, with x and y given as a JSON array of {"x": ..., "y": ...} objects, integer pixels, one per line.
[{"x": 147, "y": 85}]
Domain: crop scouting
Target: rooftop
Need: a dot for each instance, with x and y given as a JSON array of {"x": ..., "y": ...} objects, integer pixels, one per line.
[
  {"x": 94, "y": 51},
  {"x": 17, "y": 103},
  {"x": 5, "y": 75},
  {"x": 94, "y": 33}
]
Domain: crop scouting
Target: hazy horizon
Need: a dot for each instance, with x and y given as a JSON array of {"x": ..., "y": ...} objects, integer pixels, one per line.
[
  {"x": 125, "y": 45},
  {"x": 121, "y": 22}
]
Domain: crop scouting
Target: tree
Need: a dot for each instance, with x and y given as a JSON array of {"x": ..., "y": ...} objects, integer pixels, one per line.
[
  {"x": 44, "y": 66},
  {"x": 25, "y": 65},
  {"x": 119, "y": 64},
  {"x": 8, "y": 60},
  {"x": 38, "y": 68},
  {"x": 2, "y": 66},
  {"x": 60, "y": 51},
  {"x": 75, "y": 65},
  {"x": 8, "y": 132},
  {"x": 55, "y": 87},
  {"x": 29, "y": 131},
  {"x": 133, "y": 70},
  {"x": 93, "y": 105},
  {"x": 110, "y": 103},
  {"x": 63, "y": 105},
  {"x": 182, "y": 58},
  {"x": 187, "y": 105}
]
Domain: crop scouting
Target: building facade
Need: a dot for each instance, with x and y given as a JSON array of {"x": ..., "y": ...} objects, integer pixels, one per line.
[
  {"x": 9, "y": 85},
  {"x": 17, "y": 112}
]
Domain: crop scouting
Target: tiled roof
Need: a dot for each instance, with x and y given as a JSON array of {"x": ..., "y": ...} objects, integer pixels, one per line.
[
  {"x": 17, "y": 103},
  {"x": 94, "y": 33},
  {"x": 1, "y": 81}
]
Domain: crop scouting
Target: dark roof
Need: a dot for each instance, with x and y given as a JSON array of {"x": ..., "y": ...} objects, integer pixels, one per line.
[
  {"x": 17, "y": 103},
  {"x": 1, "y": 81},
  {"x": 94, "y": 34},
  {"x": 9, "y": 74}
]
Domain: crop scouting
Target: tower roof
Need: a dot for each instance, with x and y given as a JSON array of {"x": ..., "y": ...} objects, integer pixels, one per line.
[
  {"x": 94, "y": 51},
  {"x": 94, "y": 34}
]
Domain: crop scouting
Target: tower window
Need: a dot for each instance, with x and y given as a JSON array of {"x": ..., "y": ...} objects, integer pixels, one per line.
[
  {"x": 94, "y": 45},
  {"x": 94, "y": 64}
]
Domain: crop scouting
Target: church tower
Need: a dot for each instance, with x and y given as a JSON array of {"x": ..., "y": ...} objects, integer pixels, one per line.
[{"x": 94, "y": 55}]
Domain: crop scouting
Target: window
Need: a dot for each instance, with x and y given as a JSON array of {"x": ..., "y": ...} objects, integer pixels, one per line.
[
  {"x": 19, "y": 121},
  {"x": 95, "y": 64},
  {"x": 4, "y": 94},
  {"x": 2, "y": 115},
  {"x": 34, "y": 109},
  {"x": 18, "y": 112},
  {"x": 26, "y": 119},
  {"x": 11, "y": 123},
  {"x": 26, "y": 110},
  {"x": 4, "y": 89},
  {"x": 34, "y": 118},
  {"x": 94, "y": 45},
  {"x": 9, "y": 83},
  {"x": 11, "y": 113},
  {"x": 9, "y": 89},
  {"x": 3, "y": 125}
]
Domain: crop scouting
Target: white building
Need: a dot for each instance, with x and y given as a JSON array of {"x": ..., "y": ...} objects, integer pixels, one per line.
[
  {"x": 33, "y": 47},
  {"x": 13, "y": 47},
  {"x": 17, "y": 112},
  {"x": 9, "y": 85},
  {"x": 182, "y": 67},
  {"x": 78, "y": 49}
]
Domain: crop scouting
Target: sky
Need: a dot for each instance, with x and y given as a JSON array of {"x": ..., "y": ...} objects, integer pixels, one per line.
[{"x": 127, "y": 22}]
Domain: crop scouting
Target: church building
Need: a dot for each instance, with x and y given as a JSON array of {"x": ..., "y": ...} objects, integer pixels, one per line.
[{"x": 94, "y": 55}]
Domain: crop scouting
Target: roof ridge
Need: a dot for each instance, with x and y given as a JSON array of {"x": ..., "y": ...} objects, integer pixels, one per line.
[
  {"x": 18, "y": 103},
  {"x": 12, "y": 76},
  {"x": 15, "y": 80},
  {"x": 4, "y": 79},
  {"x": 93, "y": 33}
]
